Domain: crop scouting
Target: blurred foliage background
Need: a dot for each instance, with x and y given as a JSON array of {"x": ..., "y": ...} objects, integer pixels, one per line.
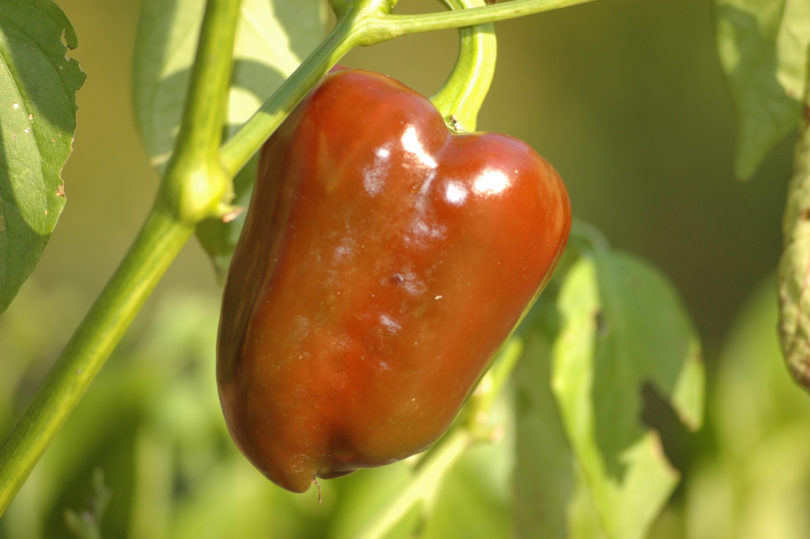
[{"x": 624, "y": 97}]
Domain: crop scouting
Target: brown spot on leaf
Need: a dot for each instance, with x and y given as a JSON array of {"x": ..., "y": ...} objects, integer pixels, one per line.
[{"x": 602, "y": 326}]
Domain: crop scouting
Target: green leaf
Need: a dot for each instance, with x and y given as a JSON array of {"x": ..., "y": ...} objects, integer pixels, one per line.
[
  {"x": 544, "y": 475},
  {"x": 272, "y": 39},
  {"x": 622, "y": 327},
  {"x": 38, "y": 86},
  {"x": 762, "y": 46}
]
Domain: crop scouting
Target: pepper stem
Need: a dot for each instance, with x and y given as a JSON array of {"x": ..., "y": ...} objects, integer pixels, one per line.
[{"x": 461, "y": 96}]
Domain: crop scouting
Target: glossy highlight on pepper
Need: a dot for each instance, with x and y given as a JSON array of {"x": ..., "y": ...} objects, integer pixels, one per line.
[{"x": 382, "y": 263}]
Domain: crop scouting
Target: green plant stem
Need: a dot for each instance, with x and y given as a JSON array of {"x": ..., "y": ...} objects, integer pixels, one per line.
[
  {"x": 157, "y": 244},
  {"x": 364, "y": 26},
  {"x": 205, "y": 109},
  {"x": 385, "y": 28},
  {"x": 460, "y": 98},
  {"x": 191, "y": 190},
  {"x": 196, "y": 183},
  {"x": 424, "y": 484}
]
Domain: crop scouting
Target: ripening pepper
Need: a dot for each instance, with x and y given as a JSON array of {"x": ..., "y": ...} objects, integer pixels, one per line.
[{"x": 383, "y": 261}]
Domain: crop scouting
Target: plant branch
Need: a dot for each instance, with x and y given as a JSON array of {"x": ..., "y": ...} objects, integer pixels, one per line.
[
  {"x": 383, "y": 28},
  {"x": 207, "y": 102}
]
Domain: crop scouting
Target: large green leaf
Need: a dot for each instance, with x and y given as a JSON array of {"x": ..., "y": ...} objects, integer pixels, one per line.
[
  {"x": 762, "y": 46},
  {"x": 38, "y": 85},
  {"x": 272, "y": 38},
  {"x": 622, "y": 327}
]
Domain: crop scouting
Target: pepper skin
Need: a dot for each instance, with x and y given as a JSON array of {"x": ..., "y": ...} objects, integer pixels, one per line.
[{"x": 382, "y": 263}]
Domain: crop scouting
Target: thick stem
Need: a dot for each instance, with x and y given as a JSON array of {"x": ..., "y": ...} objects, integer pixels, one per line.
[
  {"x": 195, "y": 182},
  {"x": 207, "y": 102}
]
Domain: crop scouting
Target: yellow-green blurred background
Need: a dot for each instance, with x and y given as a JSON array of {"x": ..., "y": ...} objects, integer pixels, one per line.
[{"x": 624, "y": 97}]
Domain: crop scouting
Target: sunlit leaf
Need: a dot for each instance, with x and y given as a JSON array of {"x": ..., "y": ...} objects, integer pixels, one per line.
[
  {"x": 272, "y": 39},
  {"x": 762, "y": 46},
  {"x": 38, "y": 85},
  {"x": 544, "y": 476},
  {"x": 621, "y": 327}
]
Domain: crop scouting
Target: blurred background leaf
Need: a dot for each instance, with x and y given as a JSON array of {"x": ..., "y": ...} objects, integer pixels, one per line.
[
  {"x": 762, "y": 46},
  {"x": 85, "y": 523},
  {"x": 754, "y": 479},
  {"x": 38, "y": 85}
]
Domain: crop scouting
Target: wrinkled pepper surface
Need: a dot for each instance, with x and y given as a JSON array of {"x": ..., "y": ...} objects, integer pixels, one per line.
[{"x": 383, "y": 261}]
